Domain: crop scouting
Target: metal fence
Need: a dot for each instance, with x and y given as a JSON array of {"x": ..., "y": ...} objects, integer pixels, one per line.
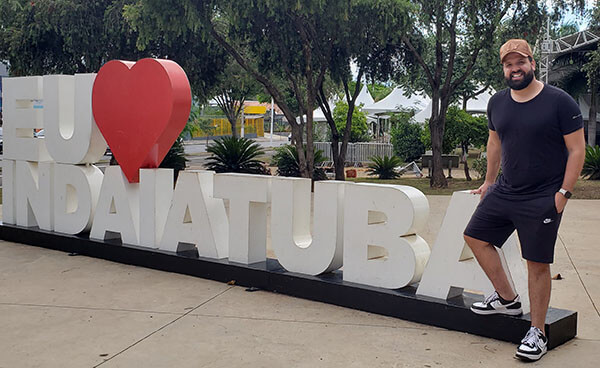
[{"x": 357, "y": 152}]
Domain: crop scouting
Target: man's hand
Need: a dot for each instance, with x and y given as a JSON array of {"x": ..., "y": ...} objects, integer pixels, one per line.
[
  {"x": 482, "y": 189},
  {"x": 560, "y": 201}
]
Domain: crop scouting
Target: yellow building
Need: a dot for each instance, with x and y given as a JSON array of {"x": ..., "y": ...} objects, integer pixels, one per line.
[{"x": 254, "y": 123}]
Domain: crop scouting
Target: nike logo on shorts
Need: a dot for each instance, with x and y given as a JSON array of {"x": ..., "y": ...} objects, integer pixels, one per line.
[{"x": 547, "y": 221}]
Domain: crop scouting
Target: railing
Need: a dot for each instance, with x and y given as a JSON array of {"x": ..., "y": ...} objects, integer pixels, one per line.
[{"x": 357, "y": 152}]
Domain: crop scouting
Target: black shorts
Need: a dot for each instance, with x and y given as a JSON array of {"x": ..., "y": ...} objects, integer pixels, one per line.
[{"x": 535, "y": 220}]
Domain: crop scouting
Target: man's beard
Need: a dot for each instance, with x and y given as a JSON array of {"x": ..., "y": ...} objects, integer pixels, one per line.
[{"x": 523, "y": 83}]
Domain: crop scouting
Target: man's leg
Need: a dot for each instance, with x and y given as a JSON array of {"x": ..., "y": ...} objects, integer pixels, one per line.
[
  {"x": 489, "y": 260},
  {"x": 539, "y": 292}
]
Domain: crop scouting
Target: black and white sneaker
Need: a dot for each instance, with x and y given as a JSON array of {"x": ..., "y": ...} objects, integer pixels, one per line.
[
  {"x": 495, "y": 304},
  {"x": 533, "y": 346}
]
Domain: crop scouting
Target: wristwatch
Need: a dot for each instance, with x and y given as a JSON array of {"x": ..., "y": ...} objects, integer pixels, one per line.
[{"x": 565, "y": 192}]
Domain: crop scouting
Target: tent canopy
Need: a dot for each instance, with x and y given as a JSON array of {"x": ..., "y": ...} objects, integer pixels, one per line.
[
  {"x": 477, "y": 105},
  {"x": 396, "y": 101}
]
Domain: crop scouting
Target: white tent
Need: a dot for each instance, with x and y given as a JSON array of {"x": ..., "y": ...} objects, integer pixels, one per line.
[
  {"x": 396, "y": 101},
  {"x": 364, "y": 97},
  {"x": 477, "y": 105},
  {"x": 584, "y": 106}
]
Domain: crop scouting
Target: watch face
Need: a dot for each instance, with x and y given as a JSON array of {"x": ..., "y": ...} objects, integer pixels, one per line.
[{"x": 567, "y": 194}]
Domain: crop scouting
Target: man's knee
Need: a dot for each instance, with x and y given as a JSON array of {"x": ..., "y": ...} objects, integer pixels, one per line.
[
  {"x": 475, "y": 243},
  {"x": 538, "y": 268}
]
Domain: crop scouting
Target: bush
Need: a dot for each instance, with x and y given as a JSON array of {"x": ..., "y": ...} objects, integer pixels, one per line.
[
  {"x": 286, "y": 160},
  {"x": 232, "y": 154},
  {"x": 359, "y": 130},
  {"x": 480, "y": 165},
  {"x": 384, "y": 167},
  {"x": 406, "y": 138},
  {"x": 175, "y": 158},
  {"x": 591, "y": 165}
]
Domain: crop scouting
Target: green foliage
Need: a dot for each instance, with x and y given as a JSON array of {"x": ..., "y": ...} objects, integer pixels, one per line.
[
  {"x": 461, "y": 129},
  {"x": 175, "y": 157},
  {"x": 464, "y": 129},
  {"x": 480, "y": 165},
  {"x": 286, "y": 160},
  {"x": 384, "y": 167},
  {"x": 359, "y": 131},
  {"x": 379, "y": 91},
  {"x": 232, "y": 154},
  {"x": 406, "y": 137},
  {"x": 591, "y": 165}
]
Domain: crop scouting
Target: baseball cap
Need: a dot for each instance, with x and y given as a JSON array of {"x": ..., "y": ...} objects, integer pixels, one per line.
[{"x": 515, "y": 45}]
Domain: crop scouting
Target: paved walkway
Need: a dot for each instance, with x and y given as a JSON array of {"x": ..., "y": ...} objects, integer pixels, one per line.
[{"x": 58, "y": 310}]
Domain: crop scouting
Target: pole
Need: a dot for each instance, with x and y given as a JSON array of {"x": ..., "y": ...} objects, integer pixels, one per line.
[
  {"x": 243, "y": 122},
  {"x": 272, "y": 108}
]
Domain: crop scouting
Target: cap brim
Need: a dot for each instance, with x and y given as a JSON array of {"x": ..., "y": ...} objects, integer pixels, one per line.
[{"x": 514, "y": 52}]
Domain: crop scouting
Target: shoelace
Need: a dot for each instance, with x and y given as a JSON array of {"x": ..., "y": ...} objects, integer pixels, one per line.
[
  {"x": 531, "y": 337},
  {"x": 491, "y": 298}
]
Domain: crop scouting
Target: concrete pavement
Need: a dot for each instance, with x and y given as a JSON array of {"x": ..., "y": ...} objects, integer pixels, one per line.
[{"x": 58, "y": 310}]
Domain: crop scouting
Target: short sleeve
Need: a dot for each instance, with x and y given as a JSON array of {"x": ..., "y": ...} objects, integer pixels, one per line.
[
  {"x": 569, "y": 114},
  {"x": 489, "y": 113}
]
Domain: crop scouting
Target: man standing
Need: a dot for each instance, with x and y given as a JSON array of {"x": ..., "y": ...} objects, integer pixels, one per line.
[{"x": 536, "y": 132}]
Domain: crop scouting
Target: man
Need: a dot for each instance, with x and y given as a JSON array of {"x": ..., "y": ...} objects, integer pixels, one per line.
[{"x": 536, "y": 132}]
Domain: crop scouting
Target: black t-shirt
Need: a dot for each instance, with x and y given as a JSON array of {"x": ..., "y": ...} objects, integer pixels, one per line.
[{"x": 534, "y": 154}]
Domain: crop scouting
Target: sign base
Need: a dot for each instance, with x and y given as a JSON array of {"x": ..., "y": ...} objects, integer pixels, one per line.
[{"x": 453, "y": 314}]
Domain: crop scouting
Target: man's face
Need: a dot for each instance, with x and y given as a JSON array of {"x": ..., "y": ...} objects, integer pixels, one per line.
[{"x": 518, "y": 70}]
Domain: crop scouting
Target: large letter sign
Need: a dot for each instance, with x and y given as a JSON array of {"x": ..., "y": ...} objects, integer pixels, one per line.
[{"x": 139, "y": 109}]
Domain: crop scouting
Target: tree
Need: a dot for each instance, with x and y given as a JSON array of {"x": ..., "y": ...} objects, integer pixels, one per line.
[
  {"x": 359, "y": 129},
  {"x": 289, "y": 48},
  {"x": 231, "y": 91},
  {"x": 592, "y": 72},
  {"x": 465, "y": 130},
  {"x": 444, "y": 33},
  {"x": 406, "y": 137}
]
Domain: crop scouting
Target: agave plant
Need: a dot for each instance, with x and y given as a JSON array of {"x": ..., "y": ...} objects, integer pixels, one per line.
[
  {"x": 384, "y": 167},
  {"x": 286, "y": 160},
  {"x": 591, "y": 165},
  {"x": 231, "y": 154}
]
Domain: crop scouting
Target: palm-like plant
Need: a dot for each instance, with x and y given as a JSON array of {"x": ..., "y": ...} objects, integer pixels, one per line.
[
  {"x": 232, "y": 154},
  {"x": 384, "y": 167},
  {"x": 286, "y": 160},
  {"x": 591, "y": 165}
]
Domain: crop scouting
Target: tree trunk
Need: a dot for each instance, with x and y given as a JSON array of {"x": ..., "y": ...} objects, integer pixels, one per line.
[
  {"x": 465, "y": 155},
  {"x": 592, "y": 118},
  {"x": 438, "y": 180},
  {"x": 233, "y": 127}
]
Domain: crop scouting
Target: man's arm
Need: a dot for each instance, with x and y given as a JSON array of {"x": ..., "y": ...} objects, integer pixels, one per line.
[
  {"x": 575, "y": 143},
  {"x": 494, "y": 153}
]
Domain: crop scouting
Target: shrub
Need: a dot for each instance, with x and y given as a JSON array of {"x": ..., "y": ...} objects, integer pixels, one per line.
[
  {"x": 480, "y": 165},
  {"x": 406, "y": 138},
  {"x": 286, "y": 160},
  {"x": 175, "y": 158},
  {"x": 591, "y": 165},
  {"x": 384, "y": 167},
  {"x": 232, "y": 154},
  {"x": 359, "y": 130}
]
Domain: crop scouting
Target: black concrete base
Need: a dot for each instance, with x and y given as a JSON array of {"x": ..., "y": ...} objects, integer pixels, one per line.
[{"x": 454, "y": 314}]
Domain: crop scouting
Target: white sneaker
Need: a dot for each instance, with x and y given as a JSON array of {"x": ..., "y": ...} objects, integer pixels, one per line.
[
  {"x": 533, "y": 346},
  {"x": 494, "y": 304}
]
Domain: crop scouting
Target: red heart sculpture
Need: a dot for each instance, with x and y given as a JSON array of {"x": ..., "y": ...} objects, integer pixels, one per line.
[{"x": 141, "y": 108}]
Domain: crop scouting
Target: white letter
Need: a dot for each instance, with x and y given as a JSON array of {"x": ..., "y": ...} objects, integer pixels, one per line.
[
  {"x": 34, "y": 195},
  {"x": 76, "y": 191},
  {"x": 118, "y": 208},
  {"x": 248, "y": 197},
  {"x": 296, "y": 250},
  {"x": 9, "y": 214},
  {"x": 71, "y": 134},
  {"x": 156, "y": 193},
  {"x": 452, "y": 266},
  {"x": 22, "y": 114},
  {"x": 384, "y": 216},
  {"x": 196, "y": 217}
]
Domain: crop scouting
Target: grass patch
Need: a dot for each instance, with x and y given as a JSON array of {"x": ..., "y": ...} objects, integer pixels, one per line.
[{"x": 585, "y": 189}]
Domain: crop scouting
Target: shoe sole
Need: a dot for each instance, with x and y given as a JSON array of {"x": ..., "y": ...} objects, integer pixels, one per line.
[
  {"x": 528, "y": 357},
  {"x": 509, "y": 312}
]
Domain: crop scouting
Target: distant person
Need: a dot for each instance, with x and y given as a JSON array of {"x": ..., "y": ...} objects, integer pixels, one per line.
[{"x": 536, "y": 132}]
